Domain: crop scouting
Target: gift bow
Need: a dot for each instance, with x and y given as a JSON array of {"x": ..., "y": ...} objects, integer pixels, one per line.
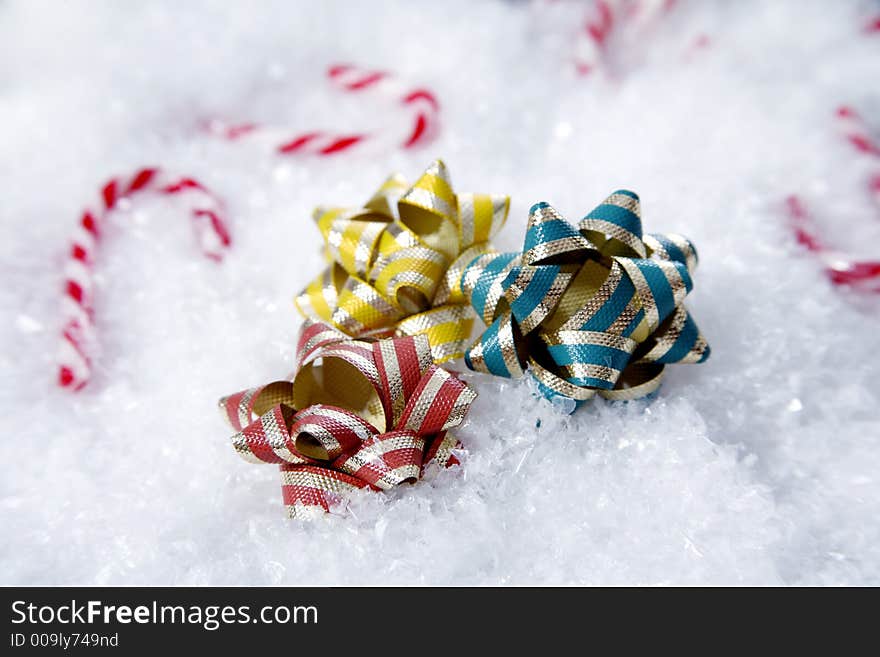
[
  {"x": 396, "y": 264},
  {"x": 599, "y": 310},
  {"x": 371, "y": 414}
]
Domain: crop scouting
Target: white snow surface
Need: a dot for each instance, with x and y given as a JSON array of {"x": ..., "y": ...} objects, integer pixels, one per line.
[{"x": 757, "y": 467}]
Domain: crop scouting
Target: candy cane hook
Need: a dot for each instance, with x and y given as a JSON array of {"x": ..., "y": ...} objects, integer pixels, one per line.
[
  {"x": 842, "y": 269},
  {"x": 418, "y": 129},
  {"x": 604, "y": 19},
  {"x": 78, "y": 339}
]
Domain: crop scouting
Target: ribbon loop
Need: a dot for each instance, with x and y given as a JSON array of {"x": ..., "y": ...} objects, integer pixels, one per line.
[
  {"x": 677, "y": 340},
  {"x": 409, "y": 278},
  {"x": 446, "y": 327},
  {"x": 313, "y": 337},
  {"x": 361, "y": 309},
  {"x": 439, "y": 402},
  {"x": 267, "y": 439},
  {"x": 430, "y": 210},
  {"x": 351, "y": 238},
  {"x": 242, "y": 408},
  {"x": 324, "y": 432},
  {"x": 616, "y": 225},
  {"x": 599, "y": 310},
  {"x": 449, "y": 291},
  {"x": 310, "y": 491},
  {"x": 373, "y": 414},
  {"x": 319, "y": 298},
  {"x": 384, "y": 201},
  {"x": 387, "y": 460},
  {"x": 497, "y": 350},
  {"x": 534, "y": 292},
  {"x": 661, "y": 286},
  {"x": 550, "y": 237},
  {"x": 673, "y": 247},
  {"x": 400, "y": 364},
  {"x": 343, "y": 375},
  {"x": 481, "y": 216},
  {"x": 590, "y": 358},
  {"x": 483, "y": 283},
  {"x": 396, "y": 264}
]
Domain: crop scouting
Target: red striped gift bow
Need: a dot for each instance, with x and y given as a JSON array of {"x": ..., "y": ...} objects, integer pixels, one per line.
[
  {"x": 842, "y": 269},
  {"x": 334, "y": 444},
  {"x": 78, "y": 339},
  {"x": 419, "y": 128}
]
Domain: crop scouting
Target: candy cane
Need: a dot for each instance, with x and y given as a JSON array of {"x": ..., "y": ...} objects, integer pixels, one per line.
[
  {"x": 854, "y": 130},
  {"x": 78, "y": 339},
  {"x": 842, "y": 269},
  {"x": 594, "y": 36},
  {"x": 874, "y": 188},
  {"x": 604, "y": 19},
  {"x": 421, "y": 126},
  {"x": 420, "y": 101}
]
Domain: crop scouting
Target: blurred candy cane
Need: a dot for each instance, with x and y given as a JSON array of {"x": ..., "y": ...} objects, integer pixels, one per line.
[
  {"x": 78, "y": 339},
  {"x": 607, "y": 18},
  {"x": 594, "y": 35},
  {"x": 854, "y": 130},
  {"x": 842, "y": 269},
  {"x": 420, "y": 126}
]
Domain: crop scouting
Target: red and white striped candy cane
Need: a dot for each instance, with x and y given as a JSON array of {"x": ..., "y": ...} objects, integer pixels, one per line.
[
  {"x": 606, "y": 18},
  {"x": 593, "y": 38},
  {"x": 78, "y": 339},
  {"x": 874, "y": 188},
  {"x": 854, "y": 129},
  {"x": 842, "y": 269},
  {"x": 421, "y": 102},
  {"x": 420, "y": 127},
  {"x": 856, "y": 132}
]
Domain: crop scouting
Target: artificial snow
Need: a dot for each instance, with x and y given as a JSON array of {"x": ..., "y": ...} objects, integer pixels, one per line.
[{"x": 758, "y": 467}]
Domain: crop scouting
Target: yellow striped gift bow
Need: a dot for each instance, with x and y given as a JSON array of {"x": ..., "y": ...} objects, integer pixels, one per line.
[{"x": 395, "y": 265}]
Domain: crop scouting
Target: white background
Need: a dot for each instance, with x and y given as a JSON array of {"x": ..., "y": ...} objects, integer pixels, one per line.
[{"x": 759, "y": 466}]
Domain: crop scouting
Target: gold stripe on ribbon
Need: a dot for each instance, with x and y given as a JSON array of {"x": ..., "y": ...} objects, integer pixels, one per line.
[
  {"x": 598, "y": 310},
  {"x": 396, "y": 265},
  {"x": 355, "y": 415}
]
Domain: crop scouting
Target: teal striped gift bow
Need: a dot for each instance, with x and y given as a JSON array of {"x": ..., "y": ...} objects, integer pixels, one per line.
[{"x": 593, "y": 310}]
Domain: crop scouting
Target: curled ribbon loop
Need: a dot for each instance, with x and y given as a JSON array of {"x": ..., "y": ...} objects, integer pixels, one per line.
[
  {"x": 395, "y": 265},
  {"x": 355, "y": 415},
  {"x": 599, "y": 310}
]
